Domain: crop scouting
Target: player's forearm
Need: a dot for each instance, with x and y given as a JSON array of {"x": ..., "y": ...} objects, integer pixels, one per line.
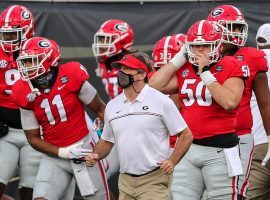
[
  {"x": 181, "y": 147},
  {"x": 162, "y": 77},
  {"x": 103, "y": 148},
  {"x": 226, "y": 97},
  {"x": 42, "y": 146}
]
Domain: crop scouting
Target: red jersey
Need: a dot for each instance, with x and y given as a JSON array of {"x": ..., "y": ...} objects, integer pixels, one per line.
[
  {"x": 109, "y": 80},
  {"x": 59, "y": 111},
  {"x": 201, "y": 112},
  {"x": 8, "y": 76},
  {"x": 256, "y": 62}
]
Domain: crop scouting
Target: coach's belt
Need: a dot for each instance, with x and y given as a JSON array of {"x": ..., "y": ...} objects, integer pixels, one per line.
[{"x": 136, "y": 175}]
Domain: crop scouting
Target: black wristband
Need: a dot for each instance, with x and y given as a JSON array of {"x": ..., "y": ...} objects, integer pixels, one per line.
[{"x": 206, "y": 68}]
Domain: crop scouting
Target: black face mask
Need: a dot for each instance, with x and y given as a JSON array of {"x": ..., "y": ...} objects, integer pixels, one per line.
[{"x": 125, "y": 80}]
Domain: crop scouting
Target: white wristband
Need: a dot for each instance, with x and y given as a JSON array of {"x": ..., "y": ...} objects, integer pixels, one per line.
[
  {"x": 63, "y": 152},
  {"x": 179, "y": 59},
  {"x": 207, "y": 78}
]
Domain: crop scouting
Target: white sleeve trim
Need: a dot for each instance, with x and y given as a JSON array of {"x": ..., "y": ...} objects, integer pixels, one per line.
[
  {"x": 87, "y": 93},
  {"x": 28, "y": 120}
]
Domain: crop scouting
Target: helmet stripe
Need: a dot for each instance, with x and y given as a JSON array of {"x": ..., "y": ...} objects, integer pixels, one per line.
[
  {"x": 166, "y": 44},
  {"x": 8, "y": 14},
  {"x": 237, "y": 10},
  {"x": 200, "y": 29}
]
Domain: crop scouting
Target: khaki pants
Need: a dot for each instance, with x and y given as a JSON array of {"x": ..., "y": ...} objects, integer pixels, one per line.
[
  {"x": 259, "y": 178},
  {"x": 152, "y": 186}
]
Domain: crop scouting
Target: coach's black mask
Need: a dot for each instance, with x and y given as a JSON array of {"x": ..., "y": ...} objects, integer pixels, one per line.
[{"x": 125, "y": 80}]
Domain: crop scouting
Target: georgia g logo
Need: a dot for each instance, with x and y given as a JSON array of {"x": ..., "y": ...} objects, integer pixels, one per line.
[
  {"x": 217, "y": 12},
  {"x": 44, "y": 43},
  {"x": 26, "y": 14},
  {"x": 217, "y": 28},
  {"x": 121, "y": 27}
]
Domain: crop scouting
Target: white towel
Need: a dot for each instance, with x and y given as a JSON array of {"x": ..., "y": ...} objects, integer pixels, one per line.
[
  {"x": 84, "y": 182},
  {"x": 233, "y": 161}
]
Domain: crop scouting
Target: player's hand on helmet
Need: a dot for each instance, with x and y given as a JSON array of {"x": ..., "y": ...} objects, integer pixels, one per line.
[
  {"x": 167, "y": 166},
  {"x": 180, "y": 58},
  {"x": 91, "y": 159},
  {"x": 73, "y": 152},
  {"x": 267, "y": 156}
]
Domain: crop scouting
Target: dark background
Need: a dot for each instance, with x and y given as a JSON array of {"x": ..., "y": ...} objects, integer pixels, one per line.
[{"x": 73, "y": 26}]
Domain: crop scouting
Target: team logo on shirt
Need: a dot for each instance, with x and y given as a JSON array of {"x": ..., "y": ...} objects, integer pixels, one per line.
[
  {"x": 47, "y": 90},
  {"x": 64, "y": 79},
  {"x": 3, "y": 64},
  {"x": 31, "y": 97},
  {"x": 219, "y": 68},
  {"x": 240, "y": 57},
  {"x": 185, "y": 73},
  {"x": 145, "y": 107}
]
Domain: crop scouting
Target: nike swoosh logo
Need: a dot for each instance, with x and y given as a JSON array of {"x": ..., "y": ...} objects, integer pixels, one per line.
[
  {"x": 59, "y": 88},
  {"x": 219, "y": 150}
]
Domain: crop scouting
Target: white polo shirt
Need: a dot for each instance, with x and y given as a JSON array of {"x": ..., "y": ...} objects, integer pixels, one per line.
[{"x": 141, "y": 129}]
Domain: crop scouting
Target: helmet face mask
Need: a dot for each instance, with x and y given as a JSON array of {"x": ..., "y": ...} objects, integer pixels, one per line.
[
  {"x": 112, "y": 38},
  {"x": 235, "y": 32},
  {"x": 204, "y": 33},
  {"x": 213, "y": 54},
  {"x": 16, "y": 26},
  {"x": 31, "y": 66},
  {"x": 104, "y": 44}
]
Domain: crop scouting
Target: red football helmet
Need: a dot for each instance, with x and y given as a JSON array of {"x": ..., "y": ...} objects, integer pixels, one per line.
[
  {"x": 36, "y": 57},
  {"x": 204, "y": 32},
  {"x": 16, "y": 26},
  {"x": 56, "y": 53},
  {"x": 165, "y": 49},
  {"x": 231, "y": 18},
  {"x": 112, "y": 38}
]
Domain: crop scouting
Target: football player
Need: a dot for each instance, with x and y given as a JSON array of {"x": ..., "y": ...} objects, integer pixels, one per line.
[
  {"x": 16, "y": 25},
  {"x": 51, "y": 97},
  {"x": 112, "y": 41},
  {"x": 210, "y": 88},
  {"x": 235, "y": 31}
]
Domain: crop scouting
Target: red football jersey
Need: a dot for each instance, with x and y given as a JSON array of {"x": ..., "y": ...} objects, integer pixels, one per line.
[
  {"x": 59, "y": 111},
  {"x": 203, "y": 115},
  {"x": 256, "y": 62},
  {"x": 109, "y": 80},
  {"x": 8, "y": 76}
]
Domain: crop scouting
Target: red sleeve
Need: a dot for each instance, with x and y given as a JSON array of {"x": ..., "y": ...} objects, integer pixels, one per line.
[
  {"x": 77, "y": 74},
  {"x": 240, "y": 69},
  {"x": 20, "y": 94}
]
